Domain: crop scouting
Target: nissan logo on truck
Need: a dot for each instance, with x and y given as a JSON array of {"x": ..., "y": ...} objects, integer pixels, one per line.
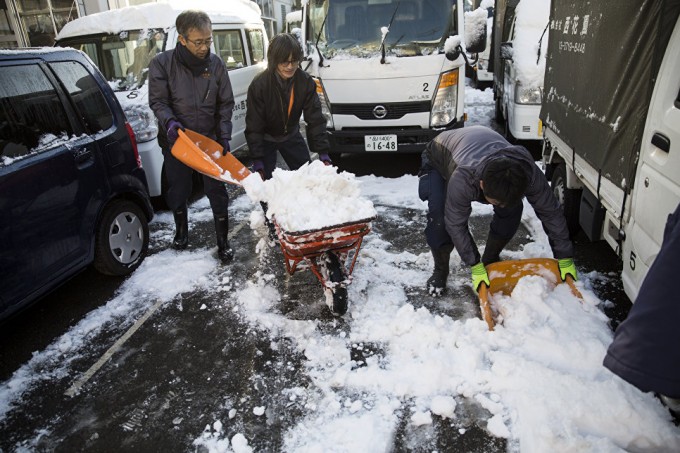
[{"x": 379, "y": 111}]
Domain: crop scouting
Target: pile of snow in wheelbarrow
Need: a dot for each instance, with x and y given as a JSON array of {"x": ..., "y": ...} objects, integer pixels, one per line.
[{"x": 313, "y": 197}]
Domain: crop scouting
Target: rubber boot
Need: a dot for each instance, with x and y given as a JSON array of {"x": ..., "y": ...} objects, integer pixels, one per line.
[
  {"x": 494, "y": 247},
  {"x": 224, "y": 251},
  {"x": 181, "y": 240},
  {"x": 436, "y": 284}
]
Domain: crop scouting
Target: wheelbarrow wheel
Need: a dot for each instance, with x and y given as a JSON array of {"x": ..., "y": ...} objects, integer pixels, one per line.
[{"x": 337, "y": 276}]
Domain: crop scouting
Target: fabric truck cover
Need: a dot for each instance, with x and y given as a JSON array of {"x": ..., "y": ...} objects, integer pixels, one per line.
[{"x": 602, "y": 63}]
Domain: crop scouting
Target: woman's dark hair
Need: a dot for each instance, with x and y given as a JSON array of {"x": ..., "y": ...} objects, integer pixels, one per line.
[
  {"x": 505, "y": 180},
  {"x": 192, "y": 18},
  {"x": 281, "y": 47}
]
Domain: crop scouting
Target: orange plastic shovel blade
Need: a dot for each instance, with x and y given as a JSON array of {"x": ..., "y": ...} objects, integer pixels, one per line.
[
  {"x": 205, "y": 156},
  {"x": 504, "y": 275}
]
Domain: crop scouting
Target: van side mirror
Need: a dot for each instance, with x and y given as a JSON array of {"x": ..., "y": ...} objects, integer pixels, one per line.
[
  {"x": 475, "y": 31},
  {"x": 506, "y": 51}
]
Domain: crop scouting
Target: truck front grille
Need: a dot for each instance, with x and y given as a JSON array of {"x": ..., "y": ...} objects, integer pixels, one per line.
[{"x": 394, "y": 110}]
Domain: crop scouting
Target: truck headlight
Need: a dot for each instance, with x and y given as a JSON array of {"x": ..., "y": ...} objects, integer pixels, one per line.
[
  {"x": 445, "y": 100},
  {"x": 325, "y": 104},
  {"x": 143, "y": 122},
  {"x": 525, "y": 95}
]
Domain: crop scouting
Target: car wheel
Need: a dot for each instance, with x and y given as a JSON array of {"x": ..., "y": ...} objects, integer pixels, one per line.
[
  {"x": 122, "y": 239},
  {"x": 570, "y": 199}
]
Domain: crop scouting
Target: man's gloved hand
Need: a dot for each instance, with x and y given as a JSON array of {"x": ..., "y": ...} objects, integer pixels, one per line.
[
  {"x": 258, "y": 166},
  {"x": 567, "y": 267},
  {"x": 326, "y": 159},
  {"x": 225, "y": 147},
  {"x": 479, "y": 275},
  {"x": 173, "y": 127}
]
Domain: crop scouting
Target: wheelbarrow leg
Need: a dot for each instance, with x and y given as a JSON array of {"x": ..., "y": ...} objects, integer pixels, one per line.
[{"x": 336, "y": 275}]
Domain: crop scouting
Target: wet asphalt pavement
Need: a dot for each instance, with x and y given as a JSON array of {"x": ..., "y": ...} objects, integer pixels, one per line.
[{"x": 185, "y": 366}]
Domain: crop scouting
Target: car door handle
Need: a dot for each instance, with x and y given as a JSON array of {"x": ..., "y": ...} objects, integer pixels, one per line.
[
  {"x": 82, "y": 155},
  {"x": 662, "y": 142}
]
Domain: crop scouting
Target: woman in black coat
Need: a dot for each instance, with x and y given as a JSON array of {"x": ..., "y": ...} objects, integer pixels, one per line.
[{"x": 277, "y": 98}]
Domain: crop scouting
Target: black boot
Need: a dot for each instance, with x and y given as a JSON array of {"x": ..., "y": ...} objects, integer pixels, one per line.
[
  {"x": 181, "y": 240},
  {"x": 436, "y": 284},
  {"x": 224, "y": 251},
  {"x": 494, "y": 247}
]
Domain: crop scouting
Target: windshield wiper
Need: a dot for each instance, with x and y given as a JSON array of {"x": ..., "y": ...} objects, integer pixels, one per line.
[
  {"x": 316, "y": 43},
  {"x": 382, "y": 44}
]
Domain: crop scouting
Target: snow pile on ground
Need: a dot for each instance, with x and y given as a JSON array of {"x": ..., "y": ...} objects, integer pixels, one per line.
[
  {"x": 313, "y": 197},
  {"x": 539, "y": 375}
]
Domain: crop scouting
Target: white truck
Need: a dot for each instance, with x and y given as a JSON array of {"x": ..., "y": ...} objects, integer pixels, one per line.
[
  {"x": 123, "y": 41},
  {"x": 389, "y": 73},
  {"x": 519, "y": 66},
  {"x": 611, "y": 112}
]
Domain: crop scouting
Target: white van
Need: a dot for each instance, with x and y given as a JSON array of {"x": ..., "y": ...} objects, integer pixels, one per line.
[{"x": 122, "y": 42}]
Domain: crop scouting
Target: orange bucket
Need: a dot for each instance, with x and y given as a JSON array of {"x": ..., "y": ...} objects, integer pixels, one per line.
[{"x": 204, "y": 155}]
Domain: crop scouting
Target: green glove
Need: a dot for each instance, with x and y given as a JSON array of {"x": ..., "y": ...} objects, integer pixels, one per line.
[
  {"x": 479, "y": 275},
  {"x": 567, "y": 267}
]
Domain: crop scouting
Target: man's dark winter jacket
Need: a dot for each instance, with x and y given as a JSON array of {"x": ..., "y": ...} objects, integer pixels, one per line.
[
  {"x": 267, "y": 116},
  {"x": 201, "y": 103},
  {"x": 460, "y": 156}
]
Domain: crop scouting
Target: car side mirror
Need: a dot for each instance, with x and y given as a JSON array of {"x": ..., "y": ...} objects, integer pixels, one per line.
[{"x": 453, "y": 54}]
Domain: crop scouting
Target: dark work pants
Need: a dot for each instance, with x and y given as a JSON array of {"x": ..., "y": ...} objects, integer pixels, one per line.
[
  {"x": 179, "y": 178},
  {"x": 432, "y": 188},
  {"x": 294, "y": 152}
]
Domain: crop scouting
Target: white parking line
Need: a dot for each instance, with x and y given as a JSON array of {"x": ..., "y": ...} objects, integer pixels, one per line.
[{"x": 78, "y": 384}]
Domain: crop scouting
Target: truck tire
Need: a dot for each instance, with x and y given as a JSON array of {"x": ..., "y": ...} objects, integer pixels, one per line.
[
  {"x": 498, "y": 112},
  {"x": 122, "y": 239},
  {"x": 570, "y": 199}
]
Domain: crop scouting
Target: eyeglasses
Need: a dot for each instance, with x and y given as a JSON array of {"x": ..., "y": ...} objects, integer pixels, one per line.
[
  {"x": 286, "y": 64},
  {"x": 200, "y": 42}
]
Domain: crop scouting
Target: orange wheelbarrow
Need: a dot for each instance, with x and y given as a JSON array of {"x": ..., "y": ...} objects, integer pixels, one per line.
[
  {"x": 327, "y": 252},
  {"x": 504, "y": 275}
]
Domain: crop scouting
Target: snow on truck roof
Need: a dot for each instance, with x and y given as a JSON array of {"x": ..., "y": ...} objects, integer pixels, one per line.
[{"x": 159, "y": 15}]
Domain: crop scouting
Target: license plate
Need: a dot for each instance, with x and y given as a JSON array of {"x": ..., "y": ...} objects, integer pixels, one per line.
[{"x": 380, "y": 142}]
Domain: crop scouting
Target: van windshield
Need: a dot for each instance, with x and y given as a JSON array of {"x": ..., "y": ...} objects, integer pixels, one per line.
[
  {"x": 123, "y": 58},
  {"x": 355, "y": 27}
]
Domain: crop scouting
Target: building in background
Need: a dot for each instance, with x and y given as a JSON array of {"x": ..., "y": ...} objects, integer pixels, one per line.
[{"x": 30, "y": 23}]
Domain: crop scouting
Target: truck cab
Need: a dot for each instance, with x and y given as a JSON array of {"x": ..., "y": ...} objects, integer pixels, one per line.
[{"x": 389, "y": 74}]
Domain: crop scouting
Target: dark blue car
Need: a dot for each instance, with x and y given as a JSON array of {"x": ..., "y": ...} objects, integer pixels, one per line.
[{"x": 72, "y": 189}]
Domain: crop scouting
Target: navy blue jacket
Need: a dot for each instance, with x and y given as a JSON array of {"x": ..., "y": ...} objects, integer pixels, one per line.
[{"x": 646, "y": 347}]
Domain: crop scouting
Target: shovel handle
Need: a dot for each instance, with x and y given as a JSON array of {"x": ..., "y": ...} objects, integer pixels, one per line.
[
  {"x": 485, "y": 307},
  {"x": 572, "y": 286}
]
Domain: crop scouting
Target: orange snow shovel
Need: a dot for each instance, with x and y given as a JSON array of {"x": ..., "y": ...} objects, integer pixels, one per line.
[
  {"x": 504, "y": 275},
  {"x": 205, "y": 156}
]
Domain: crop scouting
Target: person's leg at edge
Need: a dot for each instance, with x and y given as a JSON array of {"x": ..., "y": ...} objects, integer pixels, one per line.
[{"x": 178, "y": 176}]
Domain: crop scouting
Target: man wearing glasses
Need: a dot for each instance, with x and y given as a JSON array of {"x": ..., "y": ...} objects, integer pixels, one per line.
[
  {"x": 277, "y": 98},
  {"x": 190, "y": 87}
]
